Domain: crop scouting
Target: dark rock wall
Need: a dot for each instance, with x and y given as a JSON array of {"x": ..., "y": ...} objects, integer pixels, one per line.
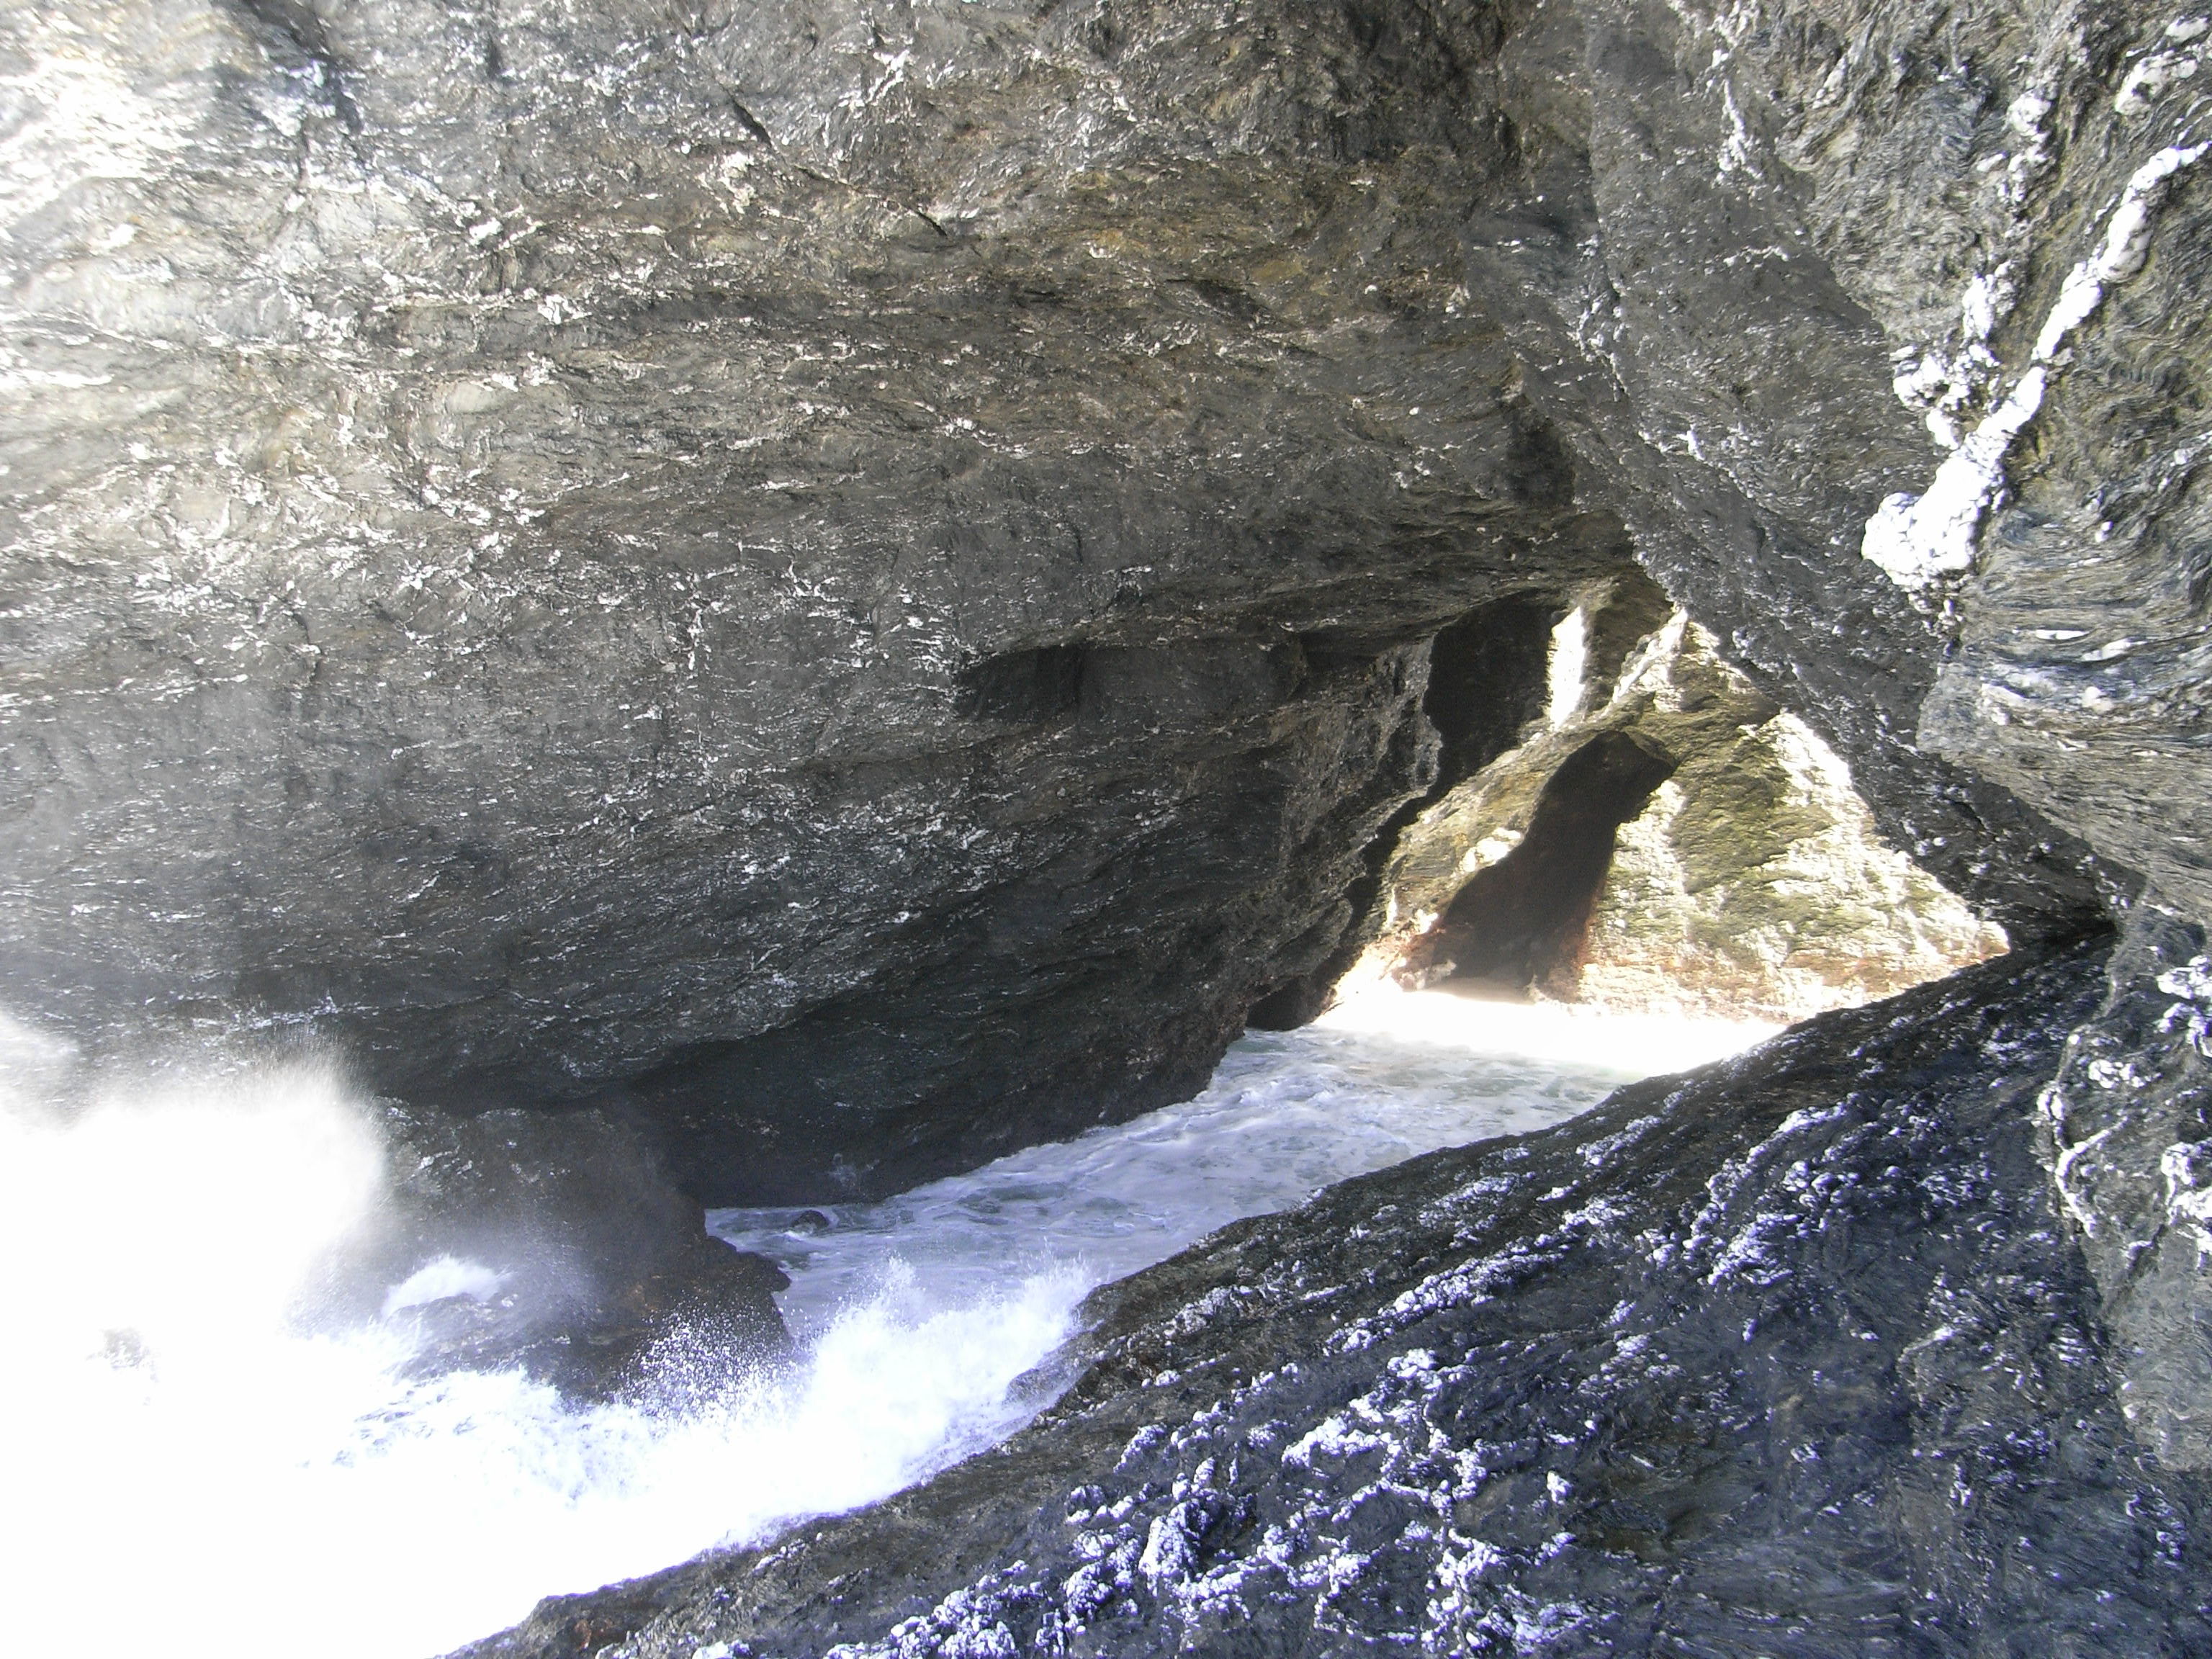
[
  {"x": 1187, "y": 827},
  {"x": 1487, "y": 679},
  {"x": 580, "y": 551},
  {"x": 2130, "y": 1120},
  {"x": 499, "y": 513}
]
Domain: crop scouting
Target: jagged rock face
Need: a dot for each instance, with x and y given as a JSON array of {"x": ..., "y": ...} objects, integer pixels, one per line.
[
  {"x": 2130, "y": 1120},
  {"x": 1657, "y": 835},
  {"x": 526, "y": 573},
  {"x": 583, "y": 553},
  {"x": 1791, "y": 1356},
  {"x": 2008, "y": 196},
  {"x": 2040, "y": 264},
  {"x": 1755, "y": 883}
]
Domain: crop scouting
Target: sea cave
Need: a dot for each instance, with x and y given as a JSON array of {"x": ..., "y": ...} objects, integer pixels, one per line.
[{"x": 926, "y": 828}]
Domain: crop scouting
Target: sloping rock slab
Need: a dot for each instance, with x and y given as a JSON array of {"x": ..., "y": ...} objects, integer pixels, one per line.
[{"x": 1787, "y": 1356}]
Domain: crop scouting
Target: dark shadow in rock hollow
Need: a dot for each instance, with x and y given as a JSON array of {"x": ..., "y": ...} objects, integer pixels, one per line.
[
  {"x": 1487, "y": 675},
  {"x": 1522, "y": 924},
  {"x": 1024, "y": 687},
  {"x": 1486, "y": 681}
]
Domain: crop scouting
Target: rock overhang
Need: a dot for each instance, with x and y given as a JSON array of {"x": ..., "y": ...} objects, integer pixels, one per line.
[{"x": 513, "y": 511}]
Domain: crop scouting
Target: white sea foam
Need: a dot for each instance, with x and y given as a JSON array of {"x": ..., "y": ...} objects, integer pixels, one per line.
[
  {"x": 1374, "y": 1082},
  {"x": 441, "y": 1278},
  {"x": 187, "y": 1463}
]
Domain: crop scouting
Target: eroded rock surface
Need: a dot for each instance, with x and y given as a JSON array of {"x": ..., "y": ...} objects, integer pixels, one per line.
[
  {"x": 1657, "y": 835},
  {"x": 2130, "y": 1120},
  {"x": 594, "y": 556},
  {"x": 1794, "y": 1354},
  {"x": 847, "y": 584}
]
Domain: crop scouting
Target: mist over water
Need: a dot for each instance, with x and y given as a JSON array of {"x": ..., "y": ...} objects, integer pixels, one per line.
[{"x": 194, "y": 1462}]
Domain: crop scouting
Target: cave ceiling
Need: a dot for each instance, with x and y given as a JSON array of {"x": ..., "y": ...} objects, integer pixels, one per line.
[{"x": 609, "y": 551}]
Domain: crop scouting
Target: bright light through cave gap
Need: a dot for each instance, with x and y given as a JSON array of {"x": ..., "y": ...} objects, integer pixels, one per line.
[{"x": 1569, "y": 663}]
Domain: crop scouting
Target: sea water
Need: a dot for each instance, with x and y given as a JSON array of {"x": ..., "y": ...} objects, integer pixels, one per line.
[
  {"x": 1287, "y": 1113},
  {"x": 188, "y": 1470}
]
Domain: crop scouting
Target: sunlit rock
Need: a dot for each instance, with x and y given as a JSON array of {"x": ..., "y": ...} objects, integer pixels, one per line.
[{"x": 1659, "y": 836}]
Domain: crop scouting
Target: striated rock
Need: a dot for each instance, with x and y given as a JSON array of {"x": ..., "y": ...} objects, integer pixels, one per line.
[
  {"x": 1755, "y": 883},
  {"x": 2130, "y": 1121},
  {"x": 2041, "y": 279},
  {"x": 592, "y": 556},
  {"x": 1791, "y": 1354},
  {"x": 1658, "y": 835},
  {"x": 828, "y": 587}
]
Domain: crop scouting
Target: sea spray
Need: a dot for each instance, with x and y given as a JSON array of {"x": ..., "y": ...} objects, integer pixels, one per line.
[
  {"x": 201, "y": 1456},
  {"x": 193, "y": 1458}
]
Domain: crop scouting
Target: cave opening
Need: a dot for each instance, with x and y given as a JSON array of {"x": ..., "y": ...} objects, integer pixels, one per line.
[
  {"x": 1489, "y": 675},
  {"x": 1621, "y": 820},
  {"x": 1521, "y": 925}
]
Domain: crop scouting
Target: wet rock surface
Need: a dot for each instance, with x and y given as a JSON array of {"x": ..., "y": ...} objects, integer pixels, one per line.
[
  {"x": 830, "y": 589},
  {"x": 1795, "y": 1354},
  {"x": 585, "y": 555},
  {"x": 2130, "y": 1119},
  {"x": 556, "y": 1242},
  {"x": 595, "y": 559}
]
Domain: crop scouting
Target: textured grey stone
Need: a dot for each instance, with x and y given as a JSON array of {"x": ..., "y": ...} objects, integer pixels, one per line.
[
  {"x": 500, "y": 505},
  {"x": 495, "y": 552},
  {"x": 1792, "y": 1355},
  {"x": 2130, "y": 1121},
  {"x": 851, "y": 583}
]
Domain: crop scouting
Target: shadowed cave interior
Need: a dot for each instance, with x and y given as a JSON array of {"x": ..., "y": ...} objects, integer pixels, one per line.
[
  {"x": 1522, "y": 924},
  {"x": 1017, "y": 643}
]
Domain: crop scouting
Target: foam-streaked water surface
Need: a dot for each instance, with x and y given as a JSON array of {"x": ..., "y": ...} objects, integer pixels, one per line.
[
  {"x": 190, "y": 1465},
  {"x": 1374, "y": 1082}
]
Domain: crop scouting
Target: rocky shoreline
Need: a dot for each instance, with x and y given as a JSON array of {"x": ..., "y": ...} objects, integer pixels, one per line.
[
  {"x": 1796, "y": 1353},
  {"x": 800, "y": 595}
]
